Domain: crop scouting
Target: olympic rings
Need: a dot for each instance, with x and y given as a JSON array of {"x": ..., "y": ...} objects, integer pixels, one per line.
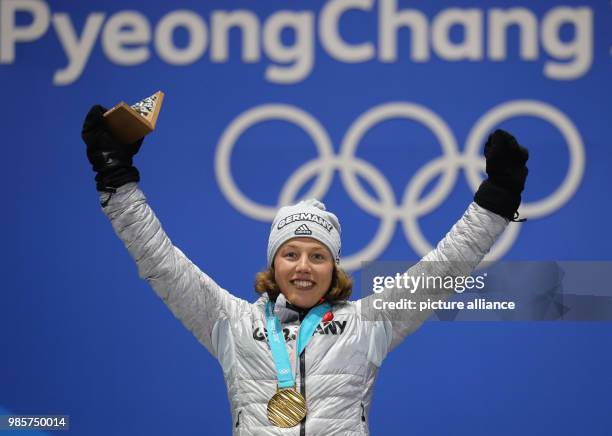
[{"x": 384, "y": 206}]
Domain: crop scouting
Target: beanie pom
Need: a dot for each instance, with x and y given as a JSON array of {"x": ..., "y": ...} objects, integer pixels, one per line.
[{"x": 314, "y": 203}]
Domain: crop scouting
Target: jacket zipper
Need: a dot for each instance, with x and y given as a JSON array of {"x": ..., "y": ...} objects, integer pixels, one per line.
[
  {"x": 303, "y": 388},
  {"x": 363, "y": 418},
  {"x": 301, "y": 316},
  {"x": 238, "y": 419}
]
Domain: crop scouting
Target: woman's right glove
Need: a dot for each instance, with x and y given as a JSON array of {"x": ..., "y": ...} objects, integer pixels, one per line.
[
  {"x": 111, "y": 160},
  {"x": 506, "y": 159}
]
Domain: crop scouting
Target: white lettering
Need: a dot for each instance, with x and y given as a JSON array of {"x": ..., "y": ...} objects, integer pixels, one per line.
[
  {"x": 198, "y": 37},
  {"x": 289, "y": 37},
  {"x": 500, "y": 20},
  {"x": 10, "y": 33},
  {"x": 126, "y": 28},
  {"x": 389, "y": 22},
  {"x": 300, "y": 54},
  {"x": 331, "y": 40},
  {"x": 377, "y": 287},
  {"x": 222, "y": 22},
  {"x": 579, "y": 50},
  {"x": 77, "y": 49},
  {"x": 471, "y": 46}
]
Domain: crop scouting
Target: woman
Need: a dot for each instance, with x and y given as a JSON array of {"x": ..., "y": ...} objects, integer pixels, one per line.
[{"x": 301, "y": 360}]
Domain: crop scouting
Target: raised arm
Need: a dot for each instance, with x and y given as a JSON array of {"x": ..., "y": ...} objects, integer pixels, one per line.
[
  {"x": 495, "y": 204},
  {"x": 191, "y": 295}
]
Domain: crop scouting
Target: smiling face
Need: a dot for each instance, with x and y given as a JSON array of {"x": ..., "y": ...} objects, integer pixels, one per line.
[{"x": 303, "y": 270}]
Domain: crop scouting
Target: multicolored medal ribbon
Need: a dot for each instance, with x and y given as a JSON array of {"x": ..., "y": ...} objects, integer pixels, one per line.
[{"x": 287, "y": 408}]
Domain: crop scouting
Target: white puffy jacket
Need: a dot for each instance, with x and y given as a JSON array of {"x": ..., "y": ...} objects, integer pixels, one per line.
[{"x": 336, "y": 372}]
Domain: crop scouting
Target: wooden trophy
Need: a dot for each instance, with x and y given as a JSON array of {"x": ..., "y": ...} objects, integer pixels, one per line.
[{"x": 128, "y": 124}]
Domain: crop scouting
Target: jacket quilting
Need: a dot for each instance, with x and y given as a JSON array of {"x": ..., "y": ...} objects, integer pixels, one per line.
[{"x": 343, "y": 356}]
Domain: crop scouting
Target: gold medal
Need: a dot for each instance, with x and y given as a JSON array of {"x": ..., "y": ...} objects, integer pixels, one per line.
[{"x": 287, "y": 408}]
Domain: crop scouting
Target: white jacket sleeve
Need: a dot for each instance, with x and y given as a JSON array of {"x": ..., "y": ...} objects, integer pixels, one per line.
[
  {"x": 457, "y": 254},
  {"x": 191, "y": 295}
]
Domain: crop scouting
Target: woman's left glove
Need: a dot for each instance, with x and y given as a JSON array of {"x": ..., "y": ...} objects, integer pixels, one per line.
[
  {"x": 111, "y": 160},
  {"x": 501, "y": 191}
]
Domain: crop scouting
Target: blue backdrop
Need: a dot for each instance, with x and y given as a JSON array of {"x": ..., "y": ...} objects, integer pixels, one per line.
[{"x": 380, "y": 108}]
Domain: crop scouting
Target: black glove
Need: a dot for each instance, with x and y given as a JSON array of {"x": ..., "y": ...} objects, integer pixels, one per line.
[
  {"x": 501, "y": 192},
  {"x": 108, "y": 157}
]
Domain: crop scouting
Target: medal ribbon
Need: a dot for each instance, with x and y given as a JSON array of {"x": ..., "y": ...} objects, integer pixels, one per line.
[{"x": 276, "y": 340}]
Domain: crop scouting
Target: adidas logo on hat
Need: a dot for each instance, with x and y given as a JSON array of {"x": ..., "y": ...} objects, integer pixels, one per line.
[{"x": 303, "y": 230}]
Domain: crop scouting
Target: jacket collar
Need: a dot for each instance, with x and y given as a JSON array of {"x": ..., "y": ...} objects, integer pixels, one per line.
[{"x": 287, "y": 312}]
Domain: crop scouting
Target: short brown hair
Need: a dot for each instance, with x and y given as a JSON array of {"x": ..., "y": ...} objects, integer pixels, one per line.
[{"x": 339, "y": 290}]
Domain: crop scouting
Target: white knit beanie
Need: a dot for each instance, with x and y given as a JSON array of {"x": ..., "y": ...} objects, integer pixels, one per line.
[{"x": 307, "y": 219}]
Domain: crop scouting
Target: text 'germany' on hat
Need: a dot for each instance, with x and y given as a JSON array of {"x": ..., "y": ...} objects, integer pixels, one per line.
[{"x": 306, "y": 219}]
